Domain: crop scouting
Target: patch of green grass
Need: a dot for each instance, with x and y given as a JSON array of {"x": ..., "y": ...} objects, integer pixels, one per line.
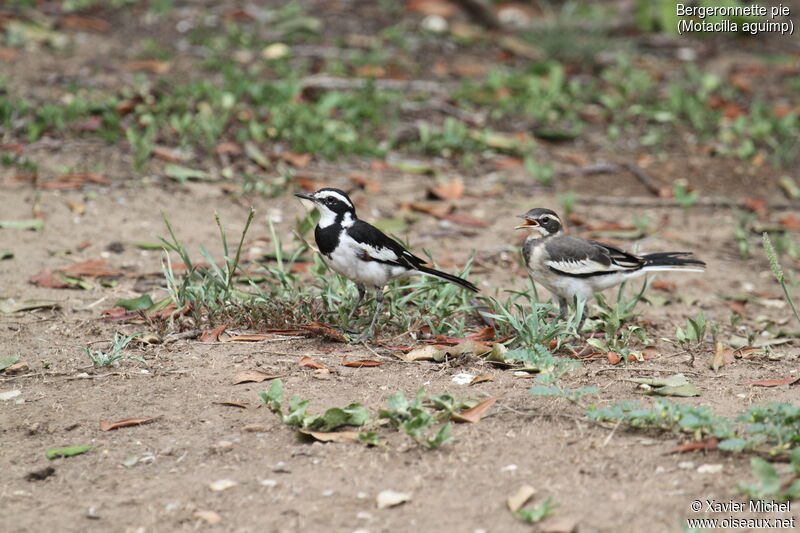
[
  {"x": 772, "y": 429},
  {"x": 769, "y": 485},
  {"x": 296, "y": 413},
  {"x": 697, "y": 328},
  {"x": 208, "y": 287},
  {"x": 778, "y": 273},
  {"x": 537, "y": 513},
  {"x": 700, "y": 422},
  {"x": 115, "y": 354},
  {"x": 522, "y": 316},
  {"x": 550, "y": 369},
  {"x": 417, "y": 421},
  {"x": 418, "y": 418},
  {"x": 612, "y": 320}
]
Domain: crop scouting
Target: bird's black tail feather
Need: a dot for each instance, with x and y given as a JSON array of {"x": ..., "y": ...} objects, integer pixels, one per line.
[
  {"x": 676, "y": 260},
  {"x": 449, "y": 277}
]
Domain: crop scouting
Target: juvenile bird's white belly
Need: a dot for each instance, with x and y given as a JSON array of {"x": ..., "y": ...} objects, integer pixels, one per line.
[{"x": 346, "y": 261}]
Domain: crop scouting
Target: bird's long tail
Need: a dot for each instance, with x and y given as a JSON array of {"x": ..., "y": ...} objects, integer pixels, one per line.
[
  {"x": 445, "y": 276},
  {"x": 672, "y": 261}
]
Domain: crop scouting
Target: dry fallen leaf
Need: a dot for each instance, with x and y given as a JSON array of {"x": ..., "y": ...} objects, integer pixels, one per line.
[
  {"x": 424, "y": 353},
  {"x": 17, "y": 368},
  {"x": 790, "y": 222},
  {"x": 757, "y": 206},
  {"x": 308, "y": 362},
  {"x": 128, "y": 422},
  {"x": 664, "y": 285},
  {"x": 442, "y": 8},
  {"x": 361, "y": 363},
  {"x": 166, "y": 154},
  {"x": 481, "y": 379},
  {"x": 93, "y": 268},
  {"x": 474, "y": 414},
  {"x": 517, "y": 500},
  {"x": 251, "y": 376},
  {"x": 706, "y": 445},
  {"x": 209, "y": 517},
  {"x": 222, "y": 484},
  {"x": 246, "y": 338},
  {"x": 8, "y": 54},
  {"x": 241, "y": 405},
  {"x": 326, "y": 332},
  {"x": 332, "y": 436},
  {"x": 296, "y": 160},
  {"x": 451, "y": 190},
  {"x": 613, "y": 358},
  {"x": 228, "y": 147},
  {"x": 148, "y": 65},
  {"x": 722, "y": 357},
  {"x": 737, "y": 306},
  {"x": 774, "y": 382},
  {"x": 558, "y": 524},
  {"x": 212, "y": 335},
  {"x": 391, "y": 498},
  {"x": 255, "y": 428},
  {"x": 80, "y": 23},
  {"x": 366, "y": 183},
  {"x": 650, "y": 352}
]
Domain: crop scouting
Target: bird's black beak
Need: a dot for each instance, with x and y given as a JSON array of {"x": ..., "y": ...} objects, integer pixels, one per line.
[{"x": 304, "y": 196}]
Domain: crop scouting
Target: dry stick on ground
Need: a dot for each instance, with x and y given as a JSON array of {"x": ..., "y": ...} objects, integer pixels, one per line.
[
  {"x": 636, "y": 369},
  {"x": 643, "y": 177},
  {"x": 480, "y": 12},
  {"x": 350, "y": 84},
  {"x": 475, "y": 119},
  {"x": 597, "y": 168},
  {"x": 713, "y": 201}
]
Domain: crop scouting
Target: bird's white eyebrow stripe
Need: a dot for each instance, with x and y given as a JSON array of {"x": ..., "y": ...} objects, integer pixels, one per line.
[{"x": 334, "y": 194}]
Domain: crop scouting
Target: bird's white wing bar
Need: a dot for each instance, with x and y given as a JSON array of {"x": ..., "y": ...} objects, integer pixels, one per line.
[
  {"x": 584, "y": 267},
  {"x": 378, "y": 253}
]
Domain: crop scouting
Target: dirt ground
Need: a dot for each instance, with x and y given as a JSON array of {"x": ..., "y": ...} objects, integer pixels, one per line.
[{"x": 603, "y": 479}]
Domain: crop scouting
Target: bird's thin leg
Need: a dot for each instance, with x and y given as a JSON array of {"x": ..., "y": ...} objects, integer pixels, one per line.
[
  {"x": 563, "y": 307},
  {"x": 378, "y": 305},
  {"x": 361, "y": 292}
]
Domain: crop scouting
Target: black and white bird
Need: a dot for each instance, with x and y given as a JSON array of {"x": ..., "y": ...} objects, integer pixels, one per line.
[
  {"x": 571, "y": 267},
  {"x": 361, "y": 252}
]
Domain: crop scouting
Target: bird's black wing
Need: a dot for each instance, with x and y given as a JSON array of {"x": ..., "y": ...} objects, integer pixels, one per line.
[
  {"x": 377, "y": 246},
  {"x": 582, "y": 258}
]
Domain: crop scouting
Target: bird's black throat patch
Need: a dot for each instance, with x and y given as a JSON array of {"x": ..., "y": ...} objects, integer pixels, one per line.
[{"x": 327, "y": 238}]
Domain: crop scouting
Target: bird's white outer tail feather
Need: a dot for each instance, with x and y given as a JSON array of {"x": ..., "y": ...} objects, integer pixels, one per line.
[{"x": 683, "y": 268}]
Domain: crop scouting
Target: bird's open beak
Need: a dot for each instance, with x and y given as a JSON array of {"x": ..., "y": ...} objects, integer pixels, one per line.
[
  {"x": 304, "y": 196},
  {"x": 527, "y": 223}
]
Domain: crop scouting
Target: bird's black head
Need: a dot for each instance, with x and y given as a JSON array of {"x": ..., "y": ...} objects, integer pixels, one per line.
[
  {"x": 332, "y": 204},
  {"x": 545, "y": 221}
]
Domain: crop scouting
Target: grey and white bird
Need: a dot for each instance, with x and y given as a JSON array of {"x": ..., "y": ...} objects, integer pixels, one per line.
[
  {"x": 571, "y": 267},
  {"x": 361, "y": 252}
]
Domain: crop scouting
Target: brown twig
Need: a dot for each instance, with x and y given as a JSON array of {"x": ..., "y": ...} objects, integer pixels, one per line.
[
  {"x": 642, "y": 201},
  {"x": 481, "y": 13},
  {"x": 643, "y": 177},
  {"x": 350, "y": 84}
]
